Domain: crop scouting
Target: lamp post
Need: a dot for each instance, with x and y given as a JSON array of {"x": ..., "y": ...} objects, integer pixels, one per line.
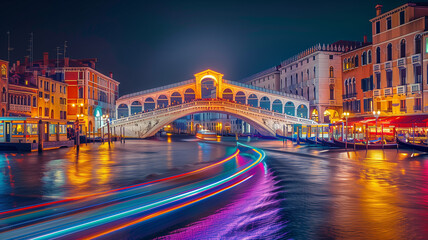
[
  {"x": 376, "y": 114},
  {"x": 77, "y": 130},
  {"x": 106, "y": 118},
  {"x": 346, "y": 114}
]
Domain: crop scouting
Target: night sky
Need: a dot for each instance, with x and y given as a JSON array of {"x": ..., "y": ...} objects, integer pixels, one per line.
[{"x": 150, "y": 44}]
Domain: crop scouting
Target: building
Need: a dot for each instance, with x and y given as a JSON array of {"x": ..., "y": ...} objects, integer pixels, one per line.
[
  {"x": 22, "y": 93},
  {"x": 4, "y": 68},
  {"x": 315, "y": 74},
  {"x": 269, "y": 79},
  {"x": 357, "y": 80},
  {"x": 398, "y": 37},
  {"x": 52, "y": 98},
  {"x": 91, "y": 95}
]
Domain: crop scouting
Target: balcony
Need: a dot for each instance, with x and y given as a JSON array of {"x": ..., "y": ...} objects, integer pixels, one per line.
[
  {"x": 401, "y": 62},
  {"x": 20, "y": 108},
  {"x": 388, "y": 65},
  {"x": 416, "y": 59},
  {"x": 388, "y": 91},
  {"x": 414, "y": 88},
  {"x": 401, "y": 90},
  {"x": 332, "y": 80},
  {"x": 417, "y": 108},
  {"x": 332, "y": 102},
  {"x": 349, "y": 95},
  {"x": 403, "y": 109},
  {"x": 376, "y": 67},
  {"x": 377, "y": 92},
  {"x": 389, "y": 110}
]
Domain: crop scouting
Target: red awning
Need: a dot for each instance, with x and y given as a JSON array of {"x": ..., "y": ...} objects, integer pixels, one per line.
[
  {"x": 397, "y": 121},
  {"x": 407, "y": 121}
]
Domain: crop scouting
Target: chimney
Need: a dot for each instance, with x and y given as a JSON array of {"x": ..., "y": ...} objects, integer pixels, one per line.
[
  {"x": 111, "y": 75},
  {"x": 365, "y": 39},
  {"x": 45, "y": 58},
  {"x": 378, "y": 9},
  {"x": 66, "y": 61}
]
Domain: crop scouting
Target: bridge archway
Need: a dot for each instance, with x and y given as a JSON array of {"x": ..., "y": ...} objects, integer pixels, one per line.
[
  {"x": 162, "y": 101},
  {"x": 122, "y": 111},
  {"x": 253, "y": 100},
  {"x": 227, "y": 94},
  {"x": 265, "y": 103},
  {"x": 208, "y": 88},
  {"x": 257, "y": 124},
  {"x": 240, "y": 97},
  {"x": 149, "y": 104},
  {"x": 176, "y": 98},
  {"x": 136, "y": 107},
  {"x": 289, "y": 109},
  {"x": 277, "y": 106},
  {"x": 302, "y": 111},
  {"x": 189, "y": 95},
  {"x": 208, "y": 74}
]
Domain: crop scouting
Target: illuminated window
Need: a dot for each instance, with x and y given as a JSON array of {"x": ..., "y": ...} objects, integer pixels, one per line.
[
  {"x": 3, "y": 71},
  {"x": 426, "y": 45}
]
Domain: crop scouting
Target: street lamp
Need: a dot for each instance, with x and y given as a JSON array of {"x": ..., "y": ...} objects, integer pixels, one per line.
[
  {"x": 346, "y": 114},
  {"x": 376, "y": 115}
]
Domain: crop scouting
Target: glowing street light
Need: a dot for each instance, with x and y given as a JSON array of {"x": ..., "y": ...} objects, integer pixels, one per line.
[{"x": 376, "y": 115}]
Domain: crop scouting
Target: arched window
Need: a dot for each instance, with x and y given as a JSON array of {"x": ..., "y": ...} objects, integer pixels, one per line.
[
  {"x": 389, "y": 52},
  {"x": 369, "y": 56},
  {"x": 344, "y": 64},
  {"x": 357, "y": 63},
  {"x": 378, "y": 55},
  {"x": 354, "y": 86},
  {"x": 346, "y": 87},
  {"x": 364, "y": 59},
  {"x": 331, "y": 72},
  {"x": 403, "y": 48},
  {"x": 331, "y": 92},
  {"x": 315, "y": 93},
  {"x": 418, "y": 45}
]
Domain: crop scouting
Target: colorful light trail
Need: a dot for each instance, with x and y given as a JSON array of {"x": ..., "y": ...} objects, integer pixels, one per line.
[{"x": 81, "y": 222}]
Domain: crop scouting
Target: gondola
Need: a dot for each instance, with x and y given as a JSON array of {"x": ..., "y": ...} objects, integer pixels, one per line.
[
  {"x": 341, "y": 144},
  {"x": 311, "y": 140},
  {"x": 418, "y": 147}
]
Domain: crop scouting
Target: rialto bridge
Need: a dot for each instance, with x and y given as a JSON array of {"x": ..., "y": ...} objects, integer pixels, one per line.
[{"x": 144, "y": 113}]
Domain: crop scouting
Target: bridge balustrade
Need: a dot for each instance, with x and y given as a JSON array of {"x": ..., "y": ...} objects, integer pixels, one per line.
[{"x": 209, "y": 103}]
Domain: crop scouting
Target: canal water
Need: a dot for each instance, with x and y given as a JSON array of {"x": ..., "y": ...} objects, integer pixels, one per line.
[{"x": 299, "y": 193}]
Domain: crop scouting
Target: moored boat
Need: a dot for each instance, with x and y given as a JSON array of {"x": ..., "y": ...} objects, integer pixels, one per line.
[{"x": 206, "y": 135}]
